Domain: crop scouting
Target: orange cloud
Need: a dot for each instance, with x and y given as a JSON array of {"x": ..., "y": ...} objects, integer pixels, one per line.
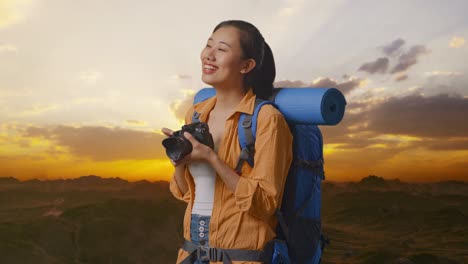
[
  {"x": 67, "y": 152},
  {"x": 102, "y": 143},
  {"x": 413, "y": 138}
]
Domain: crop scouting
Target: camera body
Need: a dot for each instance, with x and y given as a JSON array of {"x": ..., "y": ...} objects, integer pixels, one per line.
[{"x": 177, "y": 146}]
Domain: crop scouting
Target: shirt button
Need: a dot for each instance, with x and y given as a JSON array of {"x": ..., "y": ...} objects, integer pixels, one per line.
[
  {"x": 202, "y": 222},
  {"x": 201, "y": 229},
  {"x": 201, "y": 235}
]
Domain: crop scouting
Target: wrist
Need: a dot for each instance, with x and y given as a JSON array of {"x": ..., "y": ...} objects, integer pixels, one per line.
[
  {"x": 180, "y": 167},
  {"x": 212, "y": 158}
]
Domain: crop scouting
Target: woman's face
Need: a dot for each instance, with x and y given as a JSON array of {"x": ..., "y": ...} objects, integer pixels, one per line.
[{"x": 221, "y": 58}]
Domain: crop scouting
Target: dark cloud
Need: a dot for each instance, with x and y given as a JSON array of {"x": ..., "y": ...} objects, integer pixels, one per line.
[
  {"x": 439, "y": 116},
  {"x": 38, "y": 132},
  {"x": 24, "y": 143},
  {"x": 446, "y": 82},
  {"x": 434, "y": 119},
  {"x": 102, "y": 143},
  {"x": 340, "y": 133},
  {"x": 405, "y": 60},
  {"x": 345, "y": 87},
  {"x": 393, "y": 48},
  {"x": 409, "y": 58},
  {"x": 353, "y": 105},
  {"x": 439, "y": 121},
  {"x": 352, "y": 135},
  {"x": 378, "y": 66},
  {"x": 351, "y": 132},
  {"x": 401, "y": 77},
  {"x": 449, "y": 144}
]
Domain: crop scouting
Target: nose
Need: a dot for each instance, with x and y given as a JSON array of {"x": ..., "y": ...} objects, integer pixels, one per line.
[{"x": 210, "y": 55}]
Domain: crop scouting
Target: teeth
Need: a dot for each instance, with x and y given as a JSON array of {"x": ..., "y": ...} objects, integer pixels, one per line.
[{"x": 210, "y": 67}]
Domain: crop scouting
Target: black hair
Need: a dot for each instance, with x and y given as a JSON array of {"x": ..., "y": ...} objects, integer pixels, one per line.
[{"x": 253, "y": 46}]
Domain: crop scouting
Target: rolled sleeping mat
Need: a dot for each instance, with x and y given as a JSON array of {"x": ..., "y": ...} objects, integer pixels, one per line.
[
  {"x": 315, "y": 106},
  {"x": 304, "y": 105}
]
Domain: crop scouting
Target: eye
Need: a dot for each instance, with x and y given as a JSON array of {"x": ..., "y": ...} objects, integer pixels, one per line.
[
  {"x": 208, "y": 46},
  {"x": 221, "y": 50}
]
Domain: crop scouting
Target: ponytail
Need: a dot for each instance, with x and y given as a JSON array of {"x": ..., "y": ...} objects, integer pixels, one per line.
[{"x": 263, "y": 78}]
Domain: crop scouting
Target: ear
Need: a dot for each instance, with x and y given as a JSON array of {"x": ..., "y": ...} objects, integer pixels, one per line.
[{"x": 247, "y": 66}]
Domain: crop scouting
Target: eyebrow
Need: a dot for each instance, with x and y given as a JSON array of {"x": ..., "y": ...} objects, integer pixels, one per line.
[{"x": 222, "y": 42}]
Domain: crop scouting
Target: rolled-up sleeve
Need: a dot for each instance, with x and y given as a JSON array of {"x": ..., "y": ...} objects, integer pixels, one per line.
[
  {"x": 173, "y": 186},
  {"x": 175, "y": 190},
  {"x": 260, "y": 193}
]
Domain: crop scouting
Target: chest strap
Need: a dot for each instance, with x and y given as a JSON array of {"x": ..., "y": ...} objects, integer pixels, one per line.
[{"x": 219, "y": 254}]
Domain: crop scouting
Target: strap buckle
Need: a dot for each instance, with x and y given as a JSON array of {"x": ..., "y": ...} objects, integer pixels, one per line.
[
  {"x": 247, "y": 123},
  {"x": 213, "y": 254},
  {"x": 245, "y": 153},
  {"x": 210, "y": 254}
]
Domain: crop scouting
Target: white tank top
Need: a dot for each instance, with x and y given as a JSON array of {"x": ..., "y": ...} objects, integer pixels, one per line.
[{"x": 204, "y": 177}]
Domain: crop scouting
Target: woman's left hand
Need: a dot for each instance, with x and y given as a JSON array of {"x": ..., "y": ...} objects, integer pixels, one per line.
[{"x": 199, "y": 152}]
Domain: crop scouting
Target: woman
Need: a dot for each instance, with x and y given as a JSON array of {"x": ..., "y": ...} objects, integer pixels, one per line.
[{"x": 233, "y": 213}]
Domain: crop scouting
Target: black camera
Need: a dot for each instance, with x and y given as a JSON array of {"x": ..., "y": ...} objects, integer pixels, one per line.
[{"x": 177, "y": 146}]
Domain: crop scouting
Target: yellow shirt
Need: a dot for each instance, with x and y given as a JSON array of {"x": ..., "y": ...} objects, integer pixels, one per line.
[{"x": 244, "y": 219}]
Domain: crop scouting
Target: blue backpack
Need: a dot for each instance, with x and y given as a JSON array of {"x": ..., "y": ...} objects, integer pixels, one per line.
[{"x": 299, "y": 234}]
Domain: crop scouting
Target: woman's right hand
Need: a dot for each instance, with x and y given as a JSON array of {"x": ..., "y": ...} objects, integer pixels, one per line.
[
  {"x": 185, "y": 159},
  {"x": 166, "y": 131},
  {"x": 179, "y": 170}
]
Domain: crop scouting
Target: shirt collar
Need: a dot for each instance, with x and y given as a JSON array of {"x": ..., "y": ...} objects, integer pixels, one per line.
[{"x": 246, "y": 105}]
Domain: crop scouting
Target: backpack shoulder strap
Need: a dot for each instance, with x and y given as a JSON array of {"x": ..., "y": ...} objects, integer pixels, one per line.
[
  {"x": 196, "y": 117},
  {"x": 246, "y": 129},
  {"x": 201, "y": 96}
]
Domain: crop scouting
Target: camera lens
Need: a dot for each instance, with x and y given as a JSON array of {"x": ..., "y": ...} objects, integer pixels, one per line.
[{"x": 177, "y": 147}]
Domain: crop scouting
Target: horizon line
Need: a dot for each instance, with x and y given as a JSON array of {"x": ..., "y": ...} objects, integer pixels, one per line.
[{"x": 331, "y": 181}]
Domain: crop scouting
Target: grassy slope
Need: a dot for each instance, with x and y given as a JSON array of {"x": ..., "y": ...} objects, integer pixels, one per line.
[
  {"x": 374, "y": 226},
  {"x": 119, "y": 222}
]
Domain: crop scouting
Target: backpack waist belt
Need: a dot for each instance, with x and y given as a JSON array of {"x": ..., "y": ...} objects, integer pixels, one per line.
[{"x": 219, "y": 254}]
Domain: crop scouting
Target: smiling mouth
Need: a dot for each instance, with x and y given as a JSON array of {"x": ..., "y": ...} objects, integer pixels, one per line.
[{"x": 209, "y": 69}]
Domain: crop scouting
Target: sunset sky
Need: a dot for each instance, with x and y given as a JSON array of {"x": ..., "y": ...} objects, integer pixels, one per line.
[{"x": 86, "y": 86}]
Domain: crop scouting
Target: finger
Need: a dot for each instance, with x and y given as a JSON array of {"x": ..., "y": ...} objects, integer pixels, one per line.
[
  {"x": 189, "y": 137},
  {"x": 167, "y": 131}
]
